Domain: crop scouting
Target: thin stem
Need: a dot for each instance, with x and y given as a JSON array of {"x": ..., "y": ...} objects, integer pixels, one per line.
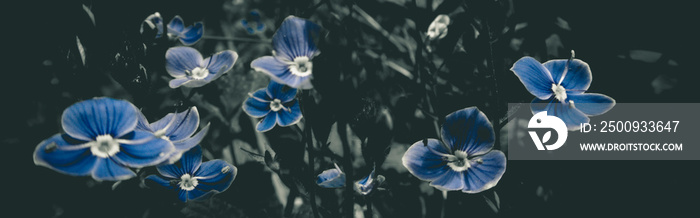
[
  {"x": 290, "y": 203},
  {"x": 348, "y": 202},
  {"x": 306, "y": 97},
  {"x": 369, "y": 213}
]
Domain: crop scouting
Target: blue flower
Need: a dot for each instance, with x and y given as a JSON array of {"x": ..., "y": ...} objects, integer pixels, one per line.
[
  {"x": 276, "y": 104},
  {"x": 559, "y": 87},
  {"x": 194, "y": 180},
  {"x": 464, "y": 161},
  {"x": 154, "y": 21},
  {"x": 101, "y": 141},
  {"x": 331, "y": 178},
  {"x": 176, "y": 28},
  {"x": 253, "y": 24},
  {"x": 367, "y": 184},
  {"x": 294, "y": 47},
  {"x": 190, "y": 70},
  {"x": 177, "y": 128},
  {"x": 187, "y": 35}
]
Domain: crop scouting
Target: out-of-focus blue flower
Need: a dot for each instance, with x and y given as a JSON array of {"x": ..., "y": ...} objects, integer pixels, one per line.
[
  {"x": 194, "y": 180},
  {"x": 294, "y": 47},
  {"x": 176, "y": 29},
  {"x": 331, "y": 178},
  {"x": 154, "y": 21},
  {"x": 177, "y": 128},
  {"x": 187, "y": 35},
  {"x": 276, "y": 104},
  {"x": 438, "y": 28},
  {"x": 367, "y": 184},
  {"x": 190, "y": 70},
  {"x": 465, "y": 161},
  {"x": 101, "y": 140},
  {"x": 559, "y": 87},
  {"x": 253, "y": 23}
]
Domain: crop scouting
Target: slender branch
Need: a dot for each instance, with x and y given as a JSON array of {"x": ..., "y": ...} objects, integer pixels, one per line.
[
  {"x": 348, "y": 202},
  {"x": 306, "y": 97}
]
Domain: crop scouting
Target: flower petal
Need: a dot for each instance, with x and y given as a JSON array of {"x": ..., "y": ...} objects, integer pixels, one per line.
[
  {"x": 144, "y": 149},
  {"x": 177, "y": 82},
  {"x": 192, "y": 34},
  {"x": 191, "y": 160},
  {"x": 279, "y": 72},
  {"x": 143, "y": 123},
  {"x": 163, "y": 182},
  {"x": 88, "y": 119},
  {"x": 215, "y": 175},
  {"x": 180, "y": 60},
  {"x": 296, "y": 38},
  {"x": 154, "y": 21},
  {"x": 171, "y": 171},
  {"x": 536, "y": 78},
  {"x": 74, "y": 162},
  {"x": 107, "y": 169},
  {"x": 578, "y": 77},
  {"x": 267, "y": 123},
  {"x": 592, "y": 104},
  {"x": 331, "y": 178},
  {"x": 424, "y": 163},
  {"x": 176, "y": 25},
  {"x": 451, "y": 180},
  {"x": 468, "y": 130},
  {"x": 189, "y": 143},
  {"x": 570, "y": 115},
  {"x": 279, "y": 91},
  {"x": 220, "y": 63},
  {"x": 291, "y": 117},
  {"x": 256, "y": 108},
  {"x": 485, "y": 172},
  {"x": 366, "y": 185},
  {"x": 182, "y": 125}
]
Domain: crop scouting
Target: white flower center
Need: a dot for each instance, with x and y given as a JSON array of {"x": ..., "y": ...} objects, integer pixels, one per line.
[
  {"x": 559, "y": 92},
  {"x": 276, "y": 105},
  {"x": 301, "y": 66},
  {"x": 199, "y": 73},
  {"x": 458, "y": 162},
  {"x": 104, "y": 146},
  {"x": 187, "y": 182}
]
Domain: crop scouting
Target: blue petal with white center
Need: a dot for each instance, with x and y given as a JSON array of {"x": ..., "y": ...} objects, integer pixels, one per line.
[
  {"x": 188, "y": 68},
  {"x": 465, "y": 162},
  {"x": 294, "y": 45},
  {"x": 560, "y": 87},
  {"x": 485, "y": 172},
  {"x": 275, "y": 104},
  {"x": 258, "y": 105},
  {"x": 101, "y": 141},
  {"x": 468, "y": 130},
  {"x": 193, "y": 179},
  {"x": 578, "y": 77},
  {"x": 331, "y": 178},
  {"x": 178, "y": 129},
  {"x": 534, "y": 76}
]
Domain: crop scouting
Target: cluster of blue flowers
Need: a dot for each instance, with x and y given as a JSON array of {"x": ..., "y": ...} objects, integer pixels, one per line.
[{"x": 106, "y": 138}]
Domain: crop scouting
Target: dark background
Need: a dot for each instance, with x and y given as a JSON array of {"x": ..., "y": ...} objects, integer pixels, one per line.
[{"x": 603, "y": 33}]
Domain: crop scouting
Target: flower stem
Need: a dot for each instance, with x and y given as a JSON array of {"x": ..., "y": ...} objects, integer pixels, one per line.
[
  {"x": 306, "y": 97},
  {"x": 348, "y": 202},
  {"x": 369, "y": 213}
]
